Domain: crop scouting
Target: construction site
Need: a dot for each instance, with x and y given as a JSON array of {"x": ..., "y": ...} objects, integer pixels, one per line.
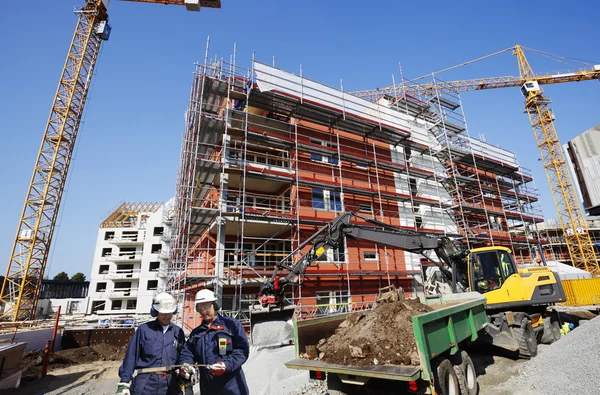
[
  {"x": 268, "y": 160},
  {"x": 365, "y": 241}
]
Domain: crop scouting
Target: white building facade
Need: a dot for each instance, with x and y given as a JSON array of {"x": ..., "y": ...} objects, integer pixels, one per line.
[{"x": 130, "y": 259}]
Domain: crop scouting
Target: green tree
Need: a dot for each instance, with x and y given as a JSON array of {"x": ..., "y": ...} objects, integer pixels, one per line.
[
  {"x": 78, "y": 277},
  {"x": 61, "y": 276}
]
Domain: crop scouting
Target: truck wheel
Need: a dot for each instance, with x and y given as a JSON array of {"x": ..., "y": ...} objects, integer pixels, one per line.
[
  {"x": 336, "y": 387},
  {"x": 445, "y": 378},
  {"x": 555, "y": 330},
  {"x": 526, "y": 338},
  {"x": 465, "y": 372},
  {"x": 551, "y": 332}
]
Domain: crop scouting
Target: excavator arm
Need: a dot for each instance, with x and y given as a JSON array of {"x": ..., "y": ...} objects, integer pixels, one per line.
[
  {"x": 271, "y": 318},
  {"x": 331, "y": 235}
]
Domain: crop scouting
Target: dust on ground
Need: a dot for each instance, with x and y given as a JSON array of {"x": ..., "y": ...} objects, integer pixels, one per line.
[
  {"x": 98, "y": 378},
  {"x": 381, "y": 336},
  {"x": 266, "y": 373},
  {"x": 31, "y": 364},
  {"x": 495, "y": 366}
]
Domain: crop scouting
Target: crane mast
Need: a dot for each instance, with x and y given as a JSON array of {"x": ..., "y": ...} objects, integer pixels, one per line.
[
  {"x": 29, "y": 255},
  {"x": 570, "y": 214}
]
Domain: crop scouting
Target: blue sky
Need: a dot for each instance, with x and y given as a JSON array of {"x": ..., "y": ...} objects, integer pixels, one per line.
[{"x": 129, "y": 141}]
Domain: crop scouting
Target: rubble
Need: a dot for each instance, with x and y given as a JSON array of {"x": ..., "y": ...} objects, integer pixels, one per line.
[{"x": 378, "y": 337}]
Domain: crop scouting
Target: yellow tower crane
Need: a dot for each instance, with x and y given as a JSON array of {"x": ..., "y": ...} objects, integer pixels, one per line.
[
  {"x": 27, "y": 263},
  {"x": 570, "y": 213}
]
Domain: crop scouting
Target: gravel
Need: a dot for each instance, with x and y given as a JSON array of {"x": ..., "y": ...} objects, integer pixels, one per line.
[
  {"x": 266, "y": 373},
  {"x": 568, "y": 366},
  {"x": 270, "y": 333},
  {"x": 313, "y": 387}
]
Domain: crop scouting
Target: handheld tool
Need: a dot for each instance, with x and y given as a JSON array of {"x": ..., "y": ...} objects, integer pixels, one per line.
[{"x": 161, "y": 369}]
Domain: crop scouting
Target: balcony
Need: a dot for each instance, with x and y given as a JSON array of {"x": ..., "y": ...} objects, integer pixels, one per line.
[
  {"x": 127, "y": 241},
  {"x": 123, "y": 274},
  {"x": 129, "y": 257},
  {"x": 166, "y": 238},
  {"x": 121, "y": 293}
]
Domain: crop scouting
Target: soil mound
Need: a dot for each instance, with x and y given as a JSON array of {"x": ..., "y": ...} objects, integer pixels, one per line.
[
  {"x": 31, "y": 364},
  {"x": 381, "y": 336}
]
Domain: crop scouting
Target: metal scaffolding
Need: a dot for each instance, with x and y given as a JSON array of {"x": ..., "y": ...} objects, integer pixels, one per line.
[{"x": 269, "y": 156}]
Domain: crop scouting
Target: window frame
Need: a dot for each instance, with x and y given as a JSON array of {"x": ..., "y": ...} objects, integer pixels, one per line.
[{"x": 376, "y": 258}]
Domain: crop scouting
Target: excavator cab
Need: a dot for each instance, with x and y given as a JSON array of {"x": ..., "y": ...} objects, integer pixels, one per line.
[
  {"x": 494, "y": 273},
  {"x": 490, "y": 268}
]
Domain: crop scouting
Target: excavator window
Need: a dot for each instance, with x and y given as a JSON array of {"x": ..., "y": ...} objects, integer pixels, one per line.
[
  {"x": 506, "y": 263},
  {"x": 488, "y": 274}
]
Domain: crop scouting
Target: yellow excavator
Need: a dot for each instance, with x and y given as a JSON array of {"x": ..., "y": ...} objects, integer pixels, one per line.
[{"x": 519, "y": 301}]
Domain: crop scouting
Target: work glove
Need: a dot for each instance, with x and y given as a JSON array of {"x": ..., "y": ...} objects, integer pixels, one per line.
[
  {"x": 123, "y": 389},
  {"x": 217, "y": 368},
  {"x": 187, "y": 374}
]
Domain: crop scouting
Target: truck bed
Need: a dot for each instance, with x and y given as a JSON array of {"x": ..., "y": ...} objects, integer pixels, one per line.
[
  {"x": 455, "y": 318},
  {"x": 390, "y": 372}
]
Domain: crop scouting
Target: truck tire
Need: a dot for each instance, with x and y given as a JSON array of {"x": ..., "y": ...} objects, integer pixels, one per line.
[
  {"x": 445, "y": 378},
  {"x": 466, "y": 374},
  {"x": 525, "y": 335},
  {"x": 336, "y": 387},
  {"x": 551, "y": 332}
]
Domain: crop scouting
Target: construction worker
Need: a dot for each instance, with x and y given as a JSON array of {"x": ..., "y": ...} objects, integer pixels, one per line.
[
  {"x": 154, "y": 344},
  {"x": 219, "y": 342}
]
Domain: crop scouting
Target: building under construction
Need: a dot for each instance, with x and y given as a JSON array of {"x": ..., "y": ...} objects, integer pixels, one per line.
[{"x": 268, "y": 157}]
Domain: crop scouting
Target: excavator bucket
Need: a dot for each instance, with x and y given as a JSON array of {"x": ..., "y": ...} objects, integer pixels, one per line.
[
  {"x": 271, "y": 326},
  {"x": 389, "y": 294}
]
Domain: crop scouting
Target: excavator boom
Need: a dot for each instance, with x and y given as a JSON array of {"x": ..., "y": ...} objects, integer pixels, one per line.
[
  {"x": 273, "y": 308},
  {"x": 510, "y": 292}
]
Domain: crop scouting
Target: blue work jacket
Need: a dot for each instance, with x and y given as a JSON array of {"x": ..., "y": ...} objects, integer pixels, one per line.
[
  {"x": 151, "y": 348},
  {"x": 202, "y": 347}
]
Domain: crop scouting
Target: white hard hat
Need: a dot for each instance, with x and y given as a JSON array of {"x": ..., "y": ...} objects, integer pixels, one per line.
[
  {"x": 164, "y": 303},
  {"x": 205, "y": 296}
]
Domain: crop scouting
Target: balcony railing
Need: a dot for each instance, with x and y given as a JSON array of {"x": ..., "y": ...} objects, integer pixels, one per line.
[
  {"x": 122, "y": 293},
  {"x": 320, "y": 310},
  {"x": 127, "y": 273},
  {"x": 137, "y": 240},
  {"x": 124, "y": 257}
]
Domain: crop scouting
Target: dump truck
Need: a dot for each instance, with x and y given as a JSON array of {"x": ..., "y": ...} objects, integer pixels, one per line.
[
  {"x": 518, "y": 300},
  {"x": 441, "y": 336}
]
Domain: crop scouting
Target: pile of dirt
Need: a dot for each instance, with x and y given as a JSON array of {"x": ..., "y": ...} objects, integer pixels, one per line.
[
  {"x": 381, "y": 336},
  {"x": 31, "y": 364}
]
